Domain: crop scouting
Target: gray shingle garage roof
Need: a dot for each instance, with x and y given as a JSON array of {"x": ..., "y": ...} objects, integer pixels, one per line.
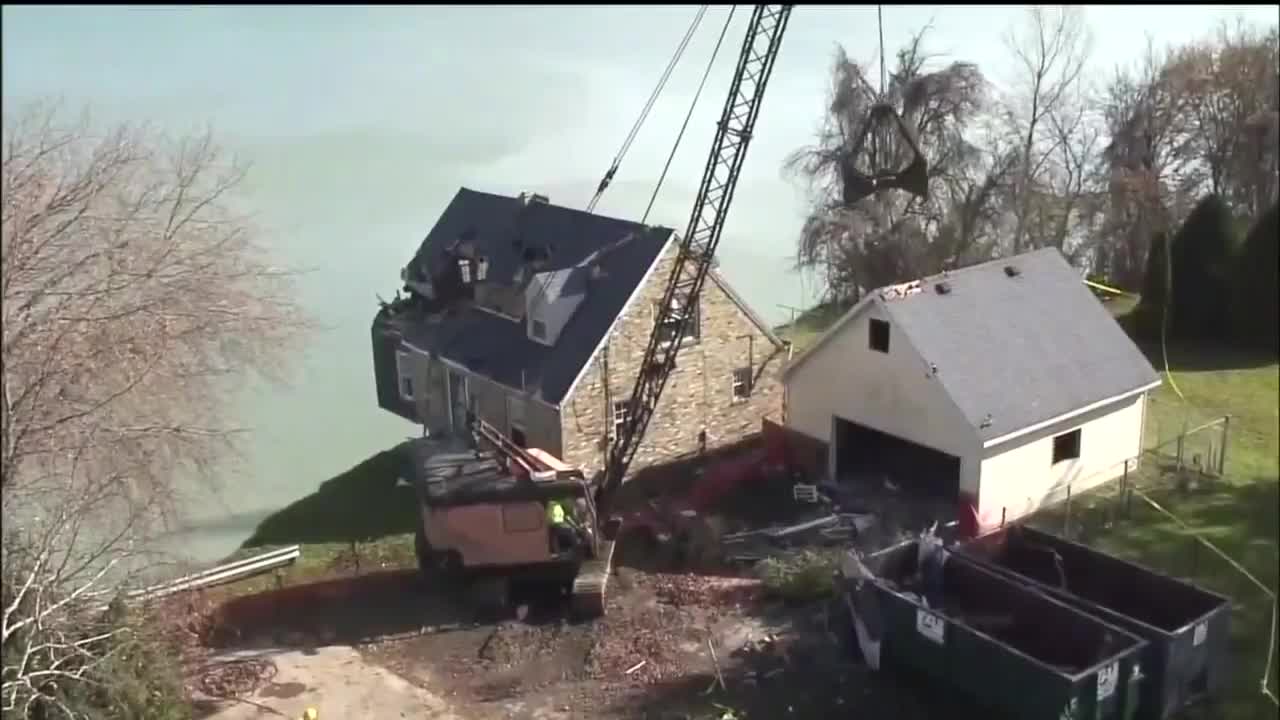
[{"x": 1017, "y": 348}]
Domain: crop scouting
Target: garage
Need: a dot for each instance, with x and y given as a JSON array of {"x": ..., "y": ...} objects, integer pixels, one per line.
[{"x": 863, "y": 453}]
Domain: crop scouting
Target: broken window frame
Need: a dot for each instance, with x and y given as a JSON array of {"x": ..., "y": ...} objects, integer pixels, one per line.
[
  {"x": 404, "y": 376},
  {"x": 742, "y": 385},
  {"x": 1066, "y": 446},
  {"x": 692, "y": 333}
]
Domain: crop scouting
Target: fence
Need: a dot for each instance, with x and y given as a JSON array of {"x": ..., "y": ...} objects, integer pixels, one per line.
[{"x": 1156, "y": 514}]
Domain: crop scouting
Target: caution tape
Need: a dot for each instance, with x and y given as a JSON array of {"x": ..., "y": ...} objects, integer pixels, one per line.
[
  {"x": 1271, "y": 648},
  {"x": 1105, "y": 288}
]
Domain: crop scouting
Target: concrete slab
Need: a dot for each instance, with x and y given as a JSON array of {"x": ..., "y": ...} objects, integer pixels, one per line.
[{"x": 338, "y": 683}]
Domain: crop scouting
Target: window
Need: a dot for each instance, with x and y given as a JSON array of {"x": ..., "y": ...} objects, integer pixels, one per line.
[
  {"x": 619, "y": 417},
  {"x": 692, "y": 330},
  {"x": 522, "y": 518},
  {"x": 741, "y": 384},
  {"x": 404, "y": 371},
  {"x": 878, "y": 335},
  {"x": 538, "y": 329},
  {"x": 464, "y": 269},
  {"x": 1066, "y": 446}
]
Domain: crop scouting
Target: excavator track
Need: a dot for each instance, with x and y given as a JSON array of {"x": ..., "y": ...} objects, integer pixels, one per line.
[{"x": 592, "y": 581}]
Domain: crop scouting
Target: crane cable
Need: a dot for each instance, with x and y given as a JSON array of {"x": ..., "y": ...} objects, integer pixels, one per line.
[
  {"x": 644, "y": 112},
  {"x": 635, "y": 128},
  {"x": 688, "y": 115},
  {"x": 880, "y": 26}
]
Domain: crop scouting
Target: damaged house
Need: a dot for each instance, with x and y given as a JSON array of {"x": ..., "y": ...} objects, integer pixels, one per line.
[{"x": 536, "y": 317}]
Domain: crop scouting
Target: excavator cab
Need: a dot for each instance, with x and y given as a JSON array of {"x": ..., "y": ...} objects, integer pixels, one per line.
[{"x": 913, "y": 178}]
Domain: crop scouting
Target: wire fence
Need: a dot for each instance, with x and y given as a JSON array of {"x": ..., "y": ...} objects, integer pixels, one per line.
[
  {"x": 1154, "y": 514},
  {"x": 1190, "y": 463}
]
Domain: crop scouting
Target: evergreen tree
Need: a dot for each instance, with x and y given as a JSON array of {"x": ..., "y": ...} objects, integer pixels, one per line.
[
  {"x": 1155, "y": 285},
  {"x": 1202, "y": 250},
  {"x": 1256, "y": 306}
]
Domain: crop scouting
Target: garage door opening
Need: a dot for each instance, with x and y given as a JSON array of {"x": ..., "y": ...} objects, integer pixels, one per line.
[{"x": 866, "y": 455}]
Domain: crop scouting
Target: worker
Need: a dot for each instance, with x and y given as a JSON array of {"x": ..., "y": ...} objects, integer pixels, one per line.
[{"x": 564, "y": 533}]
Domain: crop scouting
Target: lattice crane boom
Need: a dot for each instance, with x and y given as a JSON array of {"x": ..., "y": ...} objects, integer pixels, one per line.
[{"x": 698, "y": 245}]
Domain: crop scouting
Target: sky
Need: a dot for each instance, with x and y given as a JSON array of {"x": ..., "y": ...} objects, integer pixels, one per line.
[
  {"x": 385, "y": 111},
  {"x": 360, "y": 123}
]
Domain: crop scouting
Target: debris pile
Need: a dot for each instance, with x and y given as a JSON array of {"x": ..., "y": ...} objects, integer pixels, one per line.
[
  {"x": 624, "y": 642},
  {"x": 705, "y": 592},
  {"x": 234, "y": 678},
  {"x": 832, "y": 529}
]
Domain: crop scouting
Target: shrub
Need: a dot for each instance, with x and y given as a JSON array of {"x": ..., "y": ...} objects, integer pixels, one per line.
[{"x": 803, "y": 577}]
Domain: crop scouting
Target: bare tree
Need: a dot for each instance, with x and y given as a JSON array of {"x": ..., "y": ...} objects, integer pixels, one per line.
[
  {"x": 1193, "y": 120},
  {"x": 133, "y": 301},
  {"x": 1149, "y": 177},
  {"x": 1227, "y": 88},
  {"x": 892, "y": 235},
  {"x": 1044, "y": 110}
]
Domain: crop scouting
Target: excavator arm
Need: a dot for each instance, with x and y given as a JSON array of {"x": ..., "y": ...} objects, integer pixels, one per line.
[{"x": 697, "y": 247}]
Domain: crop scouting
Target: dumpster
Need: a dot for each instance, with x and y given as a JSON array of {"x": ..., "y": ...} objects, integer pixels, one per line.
[
  {"x": 1011, "y": 648},
  {"x": 1186, "y": 627}
]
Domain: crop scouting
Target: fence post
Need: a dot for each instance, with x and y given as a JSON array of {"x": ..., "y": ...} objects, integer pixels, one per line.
[
  {"x": 1182, "y": 439},
  {"x": 1128, "y": 490},
  {"x": 1222, "y": 455}
]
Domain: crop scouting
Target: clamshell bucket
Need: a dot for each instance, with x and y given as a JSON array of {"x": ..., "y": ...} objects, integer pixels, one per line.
[{"x": 914, "y": 178}]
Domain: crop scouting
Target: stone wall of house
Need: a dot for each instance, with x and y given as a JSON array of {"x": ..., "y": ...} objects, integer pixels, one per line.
[{"x": 698, "y": 395}]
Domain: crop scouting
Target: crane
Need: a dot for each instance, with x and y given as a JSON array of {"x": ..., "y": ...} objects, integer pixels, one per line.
[
  {"x": 698, "y": 245},
  {"x": 693, "y": 260}
]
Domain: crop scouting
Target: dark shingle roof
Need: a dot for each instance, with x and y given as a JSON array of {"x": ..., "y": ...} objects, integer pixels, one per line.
[
  {"x": 501, "y": 228},
  {"x": 1013, "y": 351}
]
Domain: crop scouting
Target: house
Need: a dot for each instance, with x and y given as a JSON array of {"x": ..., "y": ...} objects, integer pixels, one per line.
[
  {"x": 536, "y": 317},
  {"x": 1003, "y": 386}
]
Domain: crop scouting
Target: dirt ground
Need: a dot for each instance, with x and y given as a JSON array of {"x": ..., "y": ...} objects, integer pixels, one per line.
[
  {"x": 429, "y": 655},
  {"x": 336, "y": 681},
  {"x": 651, "y": 656}
]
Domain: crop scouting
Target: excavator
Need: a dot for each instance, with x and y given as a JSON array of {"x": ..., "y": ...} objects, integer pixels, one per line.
[{"x": 483, "y": 504}]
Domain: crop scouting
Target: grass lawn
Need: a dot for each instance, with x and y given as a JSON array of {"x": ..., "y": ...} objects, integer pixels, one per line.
[
  {"x": 1237, "y": 513},
  {"x": 358, "y": 521}
]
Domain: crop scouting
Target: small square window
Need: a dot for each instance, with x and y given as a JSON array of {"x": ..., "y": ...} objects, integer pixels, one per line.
[
  {"x": 1066, "y": 446},
  {"x": 878, "y": 335},
  {"x": 619, "y": 417},
  {"x": 742, "y": 383},
  {"x": 538, "y": 329}
]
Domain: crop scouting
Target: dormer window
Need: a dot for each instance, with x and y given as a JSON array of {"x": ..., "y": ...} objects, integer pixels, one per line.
[
  {"x": 464, "y": 270},
  {"x": 538, "y": 329}
]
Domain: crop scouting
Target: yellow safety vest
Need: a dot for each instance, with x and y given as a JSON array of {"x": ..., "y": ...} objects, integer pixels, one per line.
[{"x": 555, "y": 514}]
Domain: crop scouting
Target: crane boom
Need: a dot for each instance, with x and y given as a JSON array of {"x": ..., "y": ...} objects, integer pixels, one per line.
[{"x": 698, "y": 246}]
